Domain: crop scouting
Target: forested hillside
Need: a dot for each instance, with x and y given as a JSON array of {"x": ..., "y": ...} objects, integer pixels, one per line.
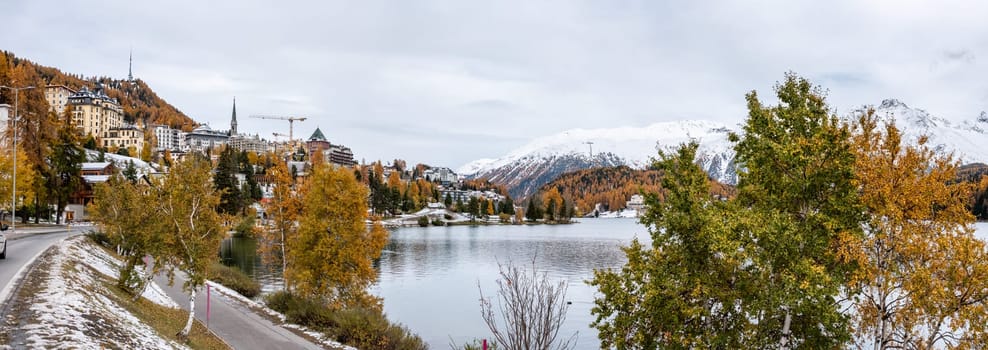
[
  {"x": 613, "y": 186},
  {"x": 139, "y": 102}
]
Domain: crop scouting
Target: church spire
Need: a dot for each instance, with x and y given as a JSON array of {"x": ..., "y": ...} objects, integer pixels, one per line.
[
  {"x": 130, "y": 66},
  {"x": 233, "y": 122}
]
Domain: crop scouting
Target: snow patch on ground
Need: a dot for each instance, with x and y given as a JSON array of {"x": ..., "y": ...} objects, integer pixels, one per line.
[{"x": 72, "y": 311}]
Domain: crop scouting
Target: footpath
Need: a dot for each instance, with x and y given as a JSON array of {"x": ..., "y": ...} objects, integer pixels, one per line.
[
  {"x": 31, "y": 229},
  {"x": 234, "y": 322}
]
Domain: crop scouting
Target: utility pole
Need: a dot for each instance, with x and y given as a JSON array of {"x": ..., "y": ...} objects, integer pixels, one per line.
[
  {"x": 13, "y": 187},
  {"x": 590, "y": 143}
]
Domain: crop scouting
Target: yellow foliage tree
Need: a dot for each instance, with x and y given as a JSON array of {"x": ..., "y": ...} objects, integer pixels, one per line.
[
  {"x": 187, "y": 205},
  {"x": 335, "y": 247},
  {"x": 282, "y": 213},
  {"x": 25, "y": 176},
  {"x": 924, "y": 282}
]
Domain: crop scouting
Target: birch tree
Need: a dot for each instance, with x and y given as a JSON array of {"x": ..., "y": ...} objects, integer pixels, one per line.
[
  {"x": 924, "y": 282},
  {"x": 128, "y": 214},
  {"x": 282, "y": 214},
  {"x": 193, "y": 227}
]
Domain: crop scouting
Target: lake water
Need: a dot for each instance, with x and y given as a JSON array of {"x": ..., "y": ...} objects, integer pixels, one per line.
[{"x": 429, "y": 276}]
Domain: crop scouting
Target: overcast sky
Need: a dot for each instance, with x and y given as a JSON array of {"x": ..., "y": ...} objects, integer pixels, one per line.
[{"x": 446, "y": 82}]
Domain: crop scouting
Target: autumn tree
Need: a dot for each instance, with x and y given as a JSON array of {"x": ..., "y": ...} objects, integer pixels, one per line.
[
  {"x": 25, "y": 176},
  {"x": 282, "y": 214},
  {"x": 553, "y": 203},
  {"x": 924, "y": 281},
  {"x": 128, "y": 214},
  {"x": 188, "y": 210},
  {"x": 335, "y": 248}
]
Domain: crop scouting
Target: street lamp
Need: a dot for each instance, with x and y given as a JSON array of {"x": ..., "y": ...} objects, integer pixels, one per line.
[{"x": 13, "y": 187}]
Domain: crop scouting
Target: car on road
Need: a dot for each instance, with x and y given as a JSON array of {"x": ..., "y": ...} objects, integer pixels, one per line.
[{"x": 3, "y": 242}]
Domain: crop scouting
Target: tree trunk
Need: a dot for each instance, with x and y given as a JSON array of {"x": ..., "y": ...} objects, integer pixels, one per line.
[
  {"x": 184, "y": 334},
  {"x": 784, "y": 342}
]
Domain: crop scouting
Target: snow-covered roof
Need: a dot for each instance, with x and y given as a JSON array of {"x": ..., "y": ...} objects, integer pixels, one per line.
[
  {"x": 95, "y": 165},
  {"x": 92, "y": 179}
]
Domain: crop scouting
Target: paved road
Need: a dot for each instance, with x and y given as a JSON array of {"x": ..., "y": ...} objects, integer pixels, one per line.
[
  {"x": 237, "y": 325},
  {"x": 23, "y": 247}
]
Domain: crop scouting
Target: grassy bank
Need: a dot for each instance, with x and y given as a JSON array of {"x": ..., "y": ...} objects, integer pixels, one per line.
[
  {"x": 361, "y": 328},
  {"x": 164, "y": 320}
]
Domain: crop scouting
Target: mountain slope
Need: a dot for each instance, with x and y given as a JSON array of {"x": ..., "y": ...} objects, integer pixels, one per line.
[
  {"x": 139, "y": 102},
  {"x": 612, "y": 186},
  {"x": 529, "y": 167},
  {"x": 968, "y": 140}
]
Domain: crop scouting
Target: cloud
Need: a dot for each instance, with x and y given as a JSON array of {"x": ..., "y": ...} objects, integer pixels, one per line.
[{"x": 444, "y": 82}]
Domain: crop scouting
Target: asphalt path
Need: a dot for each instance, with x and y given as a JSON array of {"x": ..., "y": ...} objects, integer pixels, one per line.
[
  {"x": 237, "y": 325},
  {"x": 232, "y": 321},
  {"x": 22, "y": 249}
]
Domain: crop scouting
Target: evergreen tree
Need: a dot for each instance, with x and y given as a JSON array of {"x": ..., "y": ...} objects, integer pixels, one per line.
[
  {"x": 225, "y": 180},
  {"x": 130, "y": 172},
  {"x": 472, "y": 207},
  {"x": 65, "y": 161},
  {"x": 448, "y": 201}
]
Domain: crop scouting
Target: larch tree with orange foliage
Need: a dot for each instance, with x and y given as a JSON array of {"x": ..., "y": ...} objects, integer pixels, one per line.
[
  {"x": 924, "y": 281},
  {"x": 282, "y": 212},
  {"x": 335, "y": 248}
]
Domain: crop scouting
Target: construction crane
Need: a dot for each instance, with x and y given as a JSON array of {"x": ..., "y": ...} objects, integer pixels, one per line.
[
  {"x": 277, "y": 135},
  {"x": 291, "y": 123}
]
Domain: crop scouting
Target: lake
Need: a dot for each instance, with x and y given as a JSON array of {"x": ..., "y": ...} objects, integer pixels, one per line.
[{"x": 429, "y": 276}]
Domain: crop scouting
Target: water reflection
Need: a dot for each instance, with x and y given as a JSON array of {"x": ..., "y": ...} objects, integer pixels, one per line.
[
  {"x": 241, "y": 252},
  {"x": 429, "y": 277}
]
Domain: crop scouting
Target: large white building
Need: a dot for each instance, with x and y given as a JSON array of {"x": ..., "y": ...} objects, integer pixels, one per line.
[
  {"x": 203, "y": 138},
  {"x": 58, "y": 97},
  {"x": 169, "y": 139},
  {"x": 5, "y": 112}
]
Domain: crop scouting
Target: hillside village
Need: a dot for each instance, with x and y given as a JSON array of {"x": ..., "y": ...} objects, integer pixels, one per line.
[{"x": 113, "y": 144}]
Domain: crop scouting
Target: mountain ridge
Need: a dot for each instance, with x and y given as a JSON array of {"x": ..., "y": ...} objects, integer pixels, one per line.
[{"x": 525, "y": 169}]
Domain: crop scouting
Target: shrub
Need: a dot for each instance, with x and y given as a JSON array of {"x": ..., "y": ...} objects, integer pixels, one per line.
[
  {"x": 234, "y": 279},
  {"x": 245, "y": 228},
  {"x": 438, "y": 222},
  {"x": 369, "y": 329},
  {"x": 362, "y": 328},
  {"x": 447, "y": 216},
  {"x": 99, "y": 237},
  {"x": 301, "y": 311},
  {"x": 423, "y": 221}
]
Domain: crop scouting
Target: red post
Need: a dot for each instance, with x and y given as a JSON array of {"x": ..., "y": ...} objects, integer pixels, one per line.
[
  {"x": 485, "y": 344},
  {"x": 207, "y": 305}
]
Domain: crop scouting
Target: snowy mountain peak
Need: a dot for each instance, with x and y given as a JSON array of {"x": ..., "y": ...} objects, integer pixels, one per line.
[
  {"x": 543, "y": 159},
  {"x": 967, "y": 139},
  {"x": 526, "y": 168}
]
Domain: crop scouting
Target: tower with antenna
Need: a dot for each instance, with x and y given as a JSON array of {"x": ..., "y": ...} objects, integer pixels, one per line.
[
  {"x": 590, "y": 143},
  {"x": 130, "y": 67}
]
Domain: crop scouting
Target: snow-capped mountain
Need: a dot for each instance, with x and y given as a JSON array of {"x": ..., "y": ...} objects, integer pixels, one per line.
[
  {"x": 968, "y": 140},
  {"x": 527, "y": 168}
]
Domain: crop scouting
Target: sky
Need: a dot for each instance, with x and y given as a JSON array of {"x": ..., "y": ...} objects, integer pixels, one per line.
[{"x": 447, "y": 82}]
